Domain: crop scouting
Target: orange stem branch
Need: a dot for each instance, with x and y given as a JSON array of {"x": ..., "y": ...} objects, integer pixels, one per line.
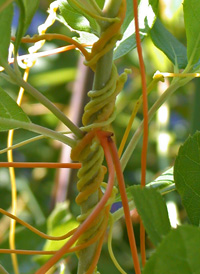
[
  {"x": 124, "y": 198},
  {"x": 46, "y": 53},
  {"x": 38, "y": 164},
  {"x": 145, "y": 115},
  {"x": 52, "y": 36}
]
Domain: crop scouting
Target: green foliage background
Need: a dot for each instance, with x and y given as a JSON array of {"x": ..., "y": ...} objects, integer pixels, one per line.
[{"x": 54, "y": 76}]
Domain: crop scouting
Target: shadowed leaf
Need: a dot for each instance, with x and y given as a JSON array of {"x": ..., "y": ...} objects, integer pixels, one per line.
[
  {"x": 187, "y": 176},
  {"x": 152, "y": 209},
  {"x": 178, "y": 253}
]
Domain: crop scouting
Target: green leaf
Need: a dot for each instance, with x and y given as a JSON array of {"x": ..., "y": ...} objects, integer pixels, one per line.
[
  {"x": 154, "y": 4},
  {"x": 187, "y": 176},
  {"x": 167, "y": 43},
  {"x": 5, "y": 31},
  {"x": 30, "y": 9},
  {"x": 129, "y": 15},
  {"x": 10, "y": 110},
  {"x": 163, "y": 183},
  {"x": 178, "y": 253},
  {"x": 60, "y": 222},
  {"x": 76, "y": 19},
  {"x": 191, "y": 9},
  {"x": 27, "y": 11},
  {"x": 153, "y": 211},
  {"x": 146, "y": 17},
  {"x": 100, "y": 3}
]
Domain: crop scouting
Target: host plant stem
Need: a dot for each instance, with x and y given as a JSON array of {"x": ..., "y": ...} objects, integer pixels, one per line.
[{"x": 101, "y": 77}]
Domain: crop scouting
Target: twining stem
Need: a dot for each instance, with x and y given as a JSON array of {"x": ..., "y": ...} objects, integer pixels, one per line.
[
  {"x": 84, "y": 226},
  {"x": 102, "y": 75}
]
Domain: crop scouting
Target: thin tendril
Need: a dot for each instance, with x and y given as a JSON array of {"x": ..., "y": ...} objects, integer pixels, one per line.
[
  {"x": 36, "y": 231},
  {"x": 110, "y": 250},
  {"x": 13, "y": 182}
]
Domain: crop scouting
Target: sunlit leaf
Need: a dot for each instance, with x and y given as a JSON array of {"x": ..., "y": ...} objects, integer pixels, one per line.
[
  {"x": 10, "y": 110},
  {"x": 191, "y": 9},
  {"x": 178, "y": 253},
  {"x": 187, "y": 176},
  {"x": 76, "y": 19},
  {"x": 153, "y": 211},
  {"x": 5, "y": 31},
  {"x": 165, "y": 41},
  {"x": 146, "y": 15}
]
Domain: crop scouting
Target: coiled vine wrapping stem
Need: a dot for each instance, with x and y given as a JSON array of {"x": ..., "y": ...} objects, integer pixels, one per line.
[{"x": 98, "y": 113}]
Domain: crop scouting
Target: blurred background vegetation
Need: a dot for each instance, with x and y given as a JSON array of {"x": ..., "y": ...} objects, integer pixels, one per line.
[{"x": 56, "y": 77}]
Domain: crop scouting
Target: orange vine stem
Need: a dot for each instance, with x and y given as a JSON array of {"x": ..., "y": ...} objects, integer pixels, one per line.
[
  {"x": 52, "y": 36},
  {"x": 27, "y": 252},
  {"x": 145, "y": 115},
  {"x": 35, "y": 230},
  {"x": 124, "y": 198},
  {"x": 84, "y": 226},
  {"x": 52, "y": 252},
  {"x": 38, "y": 164},
  {"x": 46, "y": 53}
]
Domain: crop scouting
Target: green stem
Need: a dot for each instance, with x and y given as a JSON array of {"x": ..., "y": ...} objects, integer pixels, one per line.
[
  {"x": 38, "y": 129},
  {"x": 102, "y": 75},
  {"x": 2, "y": 270},
  {"x": 28, "y": 141},
  {"x": 120, "y": 212},
  {"x": 43, "y": 100},
  {"x": 133, "y": 142}
]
